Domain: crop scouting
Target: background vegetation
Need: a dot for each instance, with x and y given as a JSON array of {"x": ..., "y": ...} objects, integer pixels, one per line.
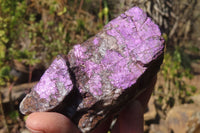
[{"x": 33, "y": 32}]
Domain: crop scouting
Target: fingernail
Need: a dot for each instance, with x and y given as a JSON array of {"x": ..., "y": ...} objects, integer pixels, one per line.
[{"x": 34, "y": 131}]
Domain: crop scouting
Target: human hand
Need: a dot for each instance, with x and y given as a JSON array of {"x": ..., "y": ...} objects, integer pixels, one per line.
[{"x": 130, "y": 119}]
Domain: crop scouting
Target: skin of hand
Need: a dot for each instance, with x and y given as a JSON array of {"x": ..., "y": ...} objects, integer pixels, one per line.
[{"x": 130, "y": 119}]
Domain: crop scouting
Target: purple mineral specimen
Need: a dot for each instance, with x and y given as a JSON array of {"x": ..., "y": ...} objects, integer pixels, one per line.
[
  {"x": 101, "y": 75},
  {"x": 54, "y": 85}
]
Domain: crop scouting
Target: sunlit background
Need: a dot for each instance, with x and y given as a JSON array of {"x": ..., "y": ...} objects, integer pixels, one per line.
[{"x": 33, "y": 32}]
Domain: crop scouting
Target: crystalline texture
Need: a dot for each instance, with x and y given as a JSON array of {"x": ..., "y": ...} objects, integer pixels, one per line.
[
  {"x": 101, "y": 75},
  {"x": 52, "y": 88}
]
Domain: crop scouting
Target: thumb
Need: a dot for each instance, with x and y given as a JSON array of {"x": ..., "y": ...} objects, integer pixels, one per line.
[{"x": 50, "y": 122}]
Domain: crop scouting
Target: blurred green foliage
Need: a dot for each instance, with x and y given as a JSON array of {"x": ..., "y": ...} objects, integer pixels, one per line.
[
  {"x": 5, "y": 75},
  {"x": 11, "y": 17},
  {"x": 173, "y": 72},
  {"x": 104, "y": 13},
  {"x": 34, "y": 32},
  {"x": 14, "y": 115},
  {"x": 176, "y": 70}
]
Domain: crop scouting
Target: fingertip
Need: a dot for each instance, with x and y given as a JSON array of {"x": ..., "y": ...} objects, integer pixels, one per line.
[
  {"x": 50, "y": 122},
  {"x": 32, "y": 122}
]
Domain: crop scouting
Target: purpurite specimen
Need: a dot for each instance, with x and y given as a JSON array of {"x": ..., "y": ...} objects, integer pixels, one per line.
[{"x": 100, "y": 76}]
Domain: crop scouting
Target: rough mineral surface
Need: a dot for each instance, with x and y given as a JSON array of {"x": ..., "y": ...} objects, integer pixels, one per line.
[
  {"x": 54, "y": 85},
  {"x": 101, "y": 75}
]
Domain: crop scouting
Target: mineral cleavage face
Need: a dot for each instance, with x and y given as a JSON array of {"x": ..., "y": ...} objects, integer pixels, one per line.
[{"x": 100, "y": 76}]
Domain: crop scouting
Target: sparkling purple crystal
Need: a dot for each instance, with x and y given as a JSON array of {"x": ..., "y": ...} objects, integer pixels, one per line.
[{"x": 101, "y": 75}]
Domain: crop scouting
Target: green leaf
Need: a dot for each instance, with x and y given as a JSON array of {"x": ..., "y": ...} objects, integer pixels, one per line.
[
  {"x": 4, "y": 39},
  {"x": 14, "y": 115},
  {"x": 62, "y": 12},
  {"x": 2, "y": 51},
  {"x": 105, "y": 10},
  {"x": 193, "y": 88},
  {"x": 5, "y": 71},
  {"x": 2, "y": 32}
]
